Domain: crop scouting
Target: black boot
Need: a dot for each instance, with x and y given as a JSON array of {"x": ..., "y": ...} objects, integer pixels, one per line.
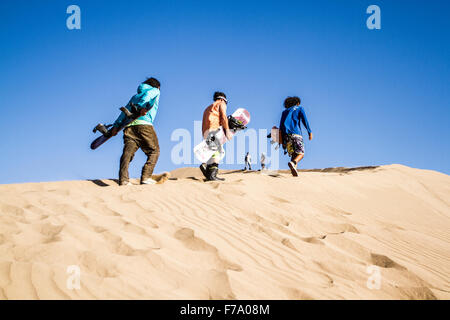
[
  {"x": 212, "y": 171},
  {"x": 204, "y": 170}
]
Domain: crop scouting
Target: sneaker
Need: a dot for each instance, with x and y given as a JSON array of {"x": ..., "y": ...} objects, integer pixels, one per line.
[
  {"x": 293, "y": 168},
  {"x": 148, "y": 181},
  {"x": 126, "y": 184}
]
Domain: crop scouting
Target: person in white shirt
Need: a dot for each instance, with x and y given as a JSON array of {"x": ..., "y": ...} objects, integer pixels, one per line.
[{"x": 248, "y": 161}]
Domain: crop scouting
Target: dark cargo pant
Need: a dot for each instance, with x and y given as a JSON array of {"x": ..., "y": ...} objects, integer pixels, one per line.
[{"x": 135, "y": 137}]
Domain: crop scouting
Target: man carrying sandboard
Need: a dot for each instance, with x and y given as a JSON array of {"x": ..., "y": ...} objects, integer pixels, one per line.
[
  {"x": 214, "y": 117},
  {"x": 140, "y": 132}
]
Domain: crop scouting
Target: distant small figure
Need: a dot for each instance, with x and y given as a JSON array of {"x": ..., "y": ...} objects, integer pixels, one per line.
[
  {"x": 248, "y": 161},
  {"x": 263, "y": 161}
]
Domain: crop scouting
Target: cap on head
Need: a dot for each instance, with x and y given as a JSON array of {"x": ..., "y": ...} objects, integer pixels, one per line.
[{"x": 220, "y": 95}]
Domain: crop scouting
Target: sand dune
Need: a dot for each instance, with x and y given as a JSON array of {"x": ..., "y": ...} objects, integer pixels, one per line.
[{"x": 255, "y": 236}]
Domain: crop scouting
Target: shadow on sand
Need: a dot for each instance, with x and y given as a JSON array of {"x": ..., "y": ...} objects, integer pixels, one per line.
[{"x": 101, "y": 183}]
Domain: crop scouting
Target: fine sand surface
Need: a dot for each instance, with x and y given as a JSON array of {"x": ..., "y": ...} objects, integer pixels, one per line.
[{"x": 255, "y": 236}]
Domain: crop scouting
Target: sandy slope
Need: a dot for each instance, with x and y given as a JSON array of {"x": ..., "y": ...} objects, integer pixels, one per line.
[{"x": 255, "y": 236}]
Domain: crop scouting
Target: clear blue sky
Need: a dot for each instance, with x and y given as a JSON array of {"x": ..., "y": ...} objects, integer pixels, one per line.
[{"x": 372, "y": 96}]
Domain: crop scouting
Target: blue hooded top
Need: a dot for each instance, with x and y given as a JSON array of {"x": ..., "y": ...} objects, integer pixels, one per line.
[
  {"x": 146, "y": 97},
  {"x": 291, "y": 119}
]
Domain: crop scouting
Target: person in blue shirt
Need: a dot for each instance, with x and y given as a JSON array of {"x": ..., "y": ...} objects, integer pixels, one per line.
[
  {"x": 140, "y": 132},
  {"x": 291, "y": 131}
]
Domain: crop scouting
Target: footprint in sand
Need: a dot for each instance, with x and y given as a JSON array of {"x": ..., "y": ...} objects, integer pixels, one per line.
[
  {"x": 187, "y": 236},
  {"x": 117, "y": 245},
  {"x": 61, "y": 192},
  {"x": 349, "y": 228},
  {"x": 313, "y": 240},
  {"x": 216, "y": 279},
  {"x": 99, "y": 266},
  {"x": 126, "y": 199},
  {"x": 295, "y": 294},
  {"x": 215, "y": 185},
  {"x": 16, "y": 212},
  {"x": 146, "y": 221},
  {"x": 384, "y": 262},
  {"x": 340, "y": 228},
  {"x": 101, "y": 208},
  {"x": 41, "y": 213},
  {"x": 51, "y": 231},
  {"x": 132, "y": 228},
  {"x": 218, "y": 285},
  {"x": 99, "y": 229},
  {"x": 288, "y": 243},
  {"x": 417, "y": 293},
  {"x": 280, "y": 200}
]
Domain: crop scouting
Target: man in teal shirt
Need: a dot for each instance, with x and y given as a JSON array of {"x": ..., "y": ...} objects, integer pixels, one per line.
[{"x": 140, "y": 133}]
